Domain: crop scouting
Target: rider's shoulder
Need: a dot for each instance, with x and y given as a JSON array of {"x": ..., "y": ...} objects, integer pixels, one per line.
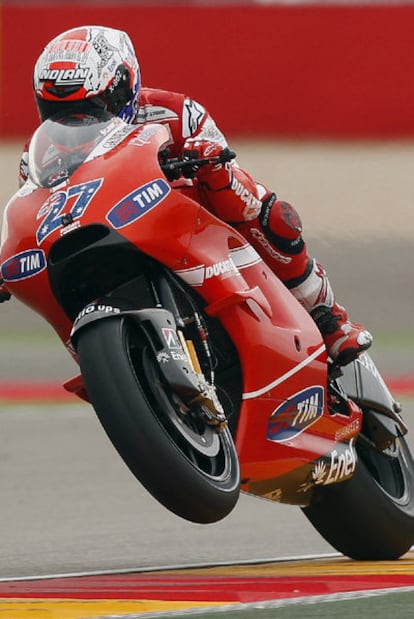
[
  {"x": 157, "y": 96},
  {"x": 170, "y": 99}
]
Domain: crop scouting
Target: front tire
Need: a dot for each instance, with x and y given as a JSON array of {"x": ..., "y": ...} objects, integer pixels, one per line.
[
  {"x": 371, "y": 515},
  {"x": 187, "y": 465}
]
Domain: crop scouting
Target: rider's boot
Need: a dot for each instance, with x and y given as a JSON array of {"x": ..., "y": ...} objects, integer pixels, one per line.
[{"x": 344, "y": 340}]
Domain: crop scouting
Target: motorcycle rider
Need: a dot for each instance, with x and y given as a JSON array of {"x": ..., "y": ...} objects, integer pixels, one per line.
[{"x": 98, "y": 65}]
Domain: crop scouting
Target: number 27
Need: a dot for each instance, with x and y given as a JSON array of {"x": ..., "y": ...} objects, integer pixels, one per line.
[{"x": 51, "y": 210}]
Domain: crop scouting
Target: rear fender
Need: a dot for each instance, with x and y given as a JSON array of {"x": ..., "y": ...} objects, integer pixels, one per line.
[
  {"x": 159, "y": 329},
  {"x": 363, "y": 383}
]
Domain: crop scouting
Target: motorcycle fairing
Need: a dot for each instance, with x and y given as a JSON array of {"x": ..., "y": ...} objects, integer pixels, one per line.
[
  {"x": 296, "y": 487},
  {"x": 280, "y": 349}
]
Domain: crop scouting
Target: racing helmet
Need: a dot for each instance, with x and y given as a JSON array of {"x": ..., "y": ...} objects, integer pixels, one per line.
[{"x": 92, "y": 65}]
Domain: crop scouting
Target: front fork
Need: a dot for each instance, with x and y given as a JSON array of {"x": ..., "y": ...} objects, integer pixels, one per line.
[
  {"x": 207, "y": 400},
  {"x": 176, "y": 356}
]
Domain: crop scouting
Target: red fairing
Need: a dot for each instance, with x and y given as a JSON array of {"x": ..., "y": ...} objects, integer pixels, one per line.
[{"x": 120, "y": 185}]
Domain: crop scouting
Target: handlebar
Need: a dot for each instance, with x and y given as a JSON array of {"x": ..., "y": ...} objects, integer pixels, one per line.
[{"x": 175, "y": 167}]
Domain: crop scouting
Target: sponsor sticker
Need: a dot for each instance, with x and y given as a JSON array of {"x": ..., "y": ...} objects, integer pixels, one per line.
[
  {"x": 338, "y": 465},
  {"x": 116, "y": 138},
  {"x": 144, "y": 136},
  {"x": 99, "y": 307},
  {"x": 296, "y": 414},
  {"x": 347, "y": 430},
  {"x": 196, "y": 276},
  {"x": 65, "y": 77},
  {"x": 171, "y": 338},
  {"x": 193, "y": 114},
  {"x": 343, "y": 461},
  {"x": 257, "y": 234},
  {"x": 174, "y": 346},
  {"x": 222, "y": 268},
  {"x": 77, "y": 198},
  {"x": 138, "y": 203},
  {"x": 23, "y": 265},
  {"x": 253, "y": 204}
]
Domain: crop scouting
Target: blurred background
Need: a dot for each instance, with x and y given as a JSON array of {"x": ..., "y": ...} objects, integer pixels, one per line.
[{"x": 316, "y": 99}]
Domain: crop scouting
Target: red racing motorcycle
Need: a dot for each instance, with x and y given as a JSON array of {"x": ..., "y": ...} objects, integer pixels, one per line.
[{"x": 207, "y": 375}]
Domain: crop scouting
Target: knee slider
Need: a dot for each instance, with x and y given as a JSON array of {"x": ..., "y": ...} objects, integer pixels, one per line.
[{"x": 282, "y": 225}]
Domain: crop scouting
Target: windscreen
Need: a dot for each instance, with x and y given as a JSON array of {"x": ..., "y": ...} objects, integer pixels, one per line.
[{"x": 61, "y": 145}]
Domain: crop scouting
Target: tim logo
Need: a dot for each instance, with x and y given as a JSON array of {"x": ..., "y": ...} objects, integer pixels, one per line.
[
  {"x": 296, "y": 414},
  {"x": 23, "y": 265},
  {"x": 138, "y": 203}
]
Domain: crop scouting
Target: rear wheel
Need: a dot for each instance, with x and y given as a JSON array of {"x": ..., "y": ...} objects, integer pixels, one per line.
[
  {"x": 187, "y": 465},
  {"x": 370, "y": 516}
]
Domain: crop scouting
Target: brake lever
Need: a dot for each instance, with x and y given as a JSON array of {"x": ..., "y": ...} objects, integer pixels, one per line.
[{"x": 225, "y": 156}]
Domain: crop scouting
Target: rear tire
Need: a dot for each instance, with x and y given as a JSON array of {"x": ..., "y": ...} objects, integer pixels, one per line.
[
  {"x": 187, "y": 465},
  {"x": 370, "y": 516}
]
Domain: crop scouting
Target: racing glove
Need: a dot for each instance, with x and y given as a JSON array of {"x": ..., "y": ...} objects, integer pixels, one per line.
[{"x": 215, "y": 175}]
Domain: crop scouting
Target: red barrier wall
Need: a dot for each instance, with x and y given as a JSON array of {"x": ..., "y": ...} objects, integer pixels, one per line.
[{"x": 274, "y": 70}]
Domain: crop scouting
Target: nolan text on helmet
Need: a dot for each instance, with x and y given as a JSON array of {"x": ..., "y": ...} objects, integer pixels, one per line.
[{"x": 63, "y": 77}]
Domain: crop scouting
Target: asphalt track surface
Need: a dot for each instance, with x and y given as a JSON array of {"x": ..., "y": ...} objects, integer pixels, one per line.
[
  {"x": 69, "y": 505},
  {"x": 284, "y": 588}
]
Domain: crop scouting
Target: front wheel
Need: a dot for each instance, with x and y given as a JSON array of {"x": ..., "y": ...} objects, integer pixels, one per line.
[
  {"x": 371, "y": 515},
  {"x": 188, "y": 466}
]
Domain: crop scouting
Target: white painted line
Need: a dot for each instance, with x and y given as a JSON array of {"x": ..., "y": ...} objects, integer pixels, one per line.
[{"x": 181, "y": 566}]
